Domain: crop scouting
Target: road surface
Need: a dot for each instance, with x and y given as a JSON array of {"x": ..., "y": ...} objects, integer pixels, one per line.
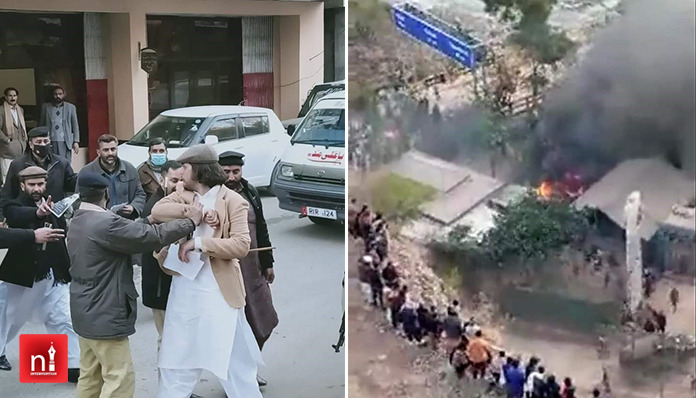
[{"x": 300, "y": 362}]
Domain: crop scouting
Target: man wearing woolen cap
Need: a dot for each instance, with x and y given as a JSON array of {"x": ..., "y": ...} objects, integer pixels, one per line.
[
  {"x": 257, "y": 267},
  {"x": 102, "y": 294},
  {"x": 205, "y": 326},
  {"x": 36, "y": 276},
  {"x": 60, "y": 179}
]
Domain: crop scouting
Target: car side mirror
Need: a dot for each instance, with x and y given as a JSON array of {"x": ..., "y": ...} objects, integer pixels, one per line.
[
  {"x": 291, "y": 130},
  {"x": 211, "y": 139}
]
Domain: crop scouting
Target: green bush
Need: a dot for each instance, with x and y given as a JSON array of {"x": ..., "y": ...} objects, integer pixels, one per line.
[{"x": 399, "y": 198}]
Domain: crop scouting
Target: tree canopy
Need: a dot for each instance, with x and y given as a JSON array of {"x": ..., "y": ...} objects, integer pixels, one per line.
[{"x": 533, "y": 228}]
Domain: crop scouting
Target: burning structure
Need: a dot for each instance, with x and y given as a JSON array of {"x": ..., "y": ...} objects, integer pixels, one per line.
[
  {"x": 632, "y": 95},
  {"x": 668, "y": 226}
]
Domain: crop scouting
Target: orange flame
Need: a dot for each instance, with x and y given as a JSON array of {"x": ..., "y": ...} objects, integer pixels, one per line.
[{"x": 545, "y": 190}]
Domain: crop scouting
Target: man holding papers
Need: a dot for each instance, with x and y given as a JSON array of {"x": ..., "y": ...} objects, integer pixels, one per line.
[
  {"x": 102, "y": 293},
  {"x": 205, "y": 326},
  {"x": 126, "y": 195}
]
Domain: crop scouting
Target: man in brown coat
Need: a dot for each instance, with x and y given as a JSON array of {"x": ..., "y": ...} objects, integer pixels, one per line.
[
  {"x": 257, "y": 267},
  {"x": 150, "y": 171},
  {"x": 13, "y": 131},
  {"x": 205, "y": 326}
]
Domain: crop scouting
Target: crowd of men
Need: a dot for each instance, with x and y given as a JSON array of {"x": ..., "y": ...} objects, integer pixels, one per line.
[
  {"x": 73, "y": 270},
  {"x": 464, "y": 342}
]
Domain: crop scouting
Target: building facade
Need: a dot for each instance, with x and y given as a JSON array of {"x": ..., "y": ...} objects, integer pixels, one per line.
[{"x": 259, "y": 53}]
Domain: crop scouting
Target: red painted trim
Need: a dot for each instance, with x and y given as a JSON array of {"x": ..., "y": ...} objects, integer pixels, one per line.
[
  {"x": 258, "y": 89},
  {"x": 97, "y": 113}
]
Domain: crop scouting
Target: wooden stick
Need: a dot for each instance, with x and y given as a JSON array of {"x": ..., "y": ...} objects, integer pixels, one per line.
[{"x": 261, "y": 249}]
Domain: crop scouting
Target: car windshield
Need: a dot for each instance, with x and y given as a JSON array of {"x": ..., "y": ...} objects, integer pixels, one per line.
[
  {"x": 317, "y": 93},
  {"x": 177, "y": 132},
  {"x": 322, "y": 127}
]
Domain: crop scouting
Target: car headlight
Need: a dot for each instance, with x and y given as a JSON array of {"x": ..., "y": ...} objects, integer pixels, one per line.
[{"x": 286, "y": 171}]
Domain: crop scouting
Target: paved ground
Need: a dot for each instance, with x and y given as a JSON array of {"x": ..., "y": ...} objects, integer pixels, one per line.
[{"x": 299, "y": 359}]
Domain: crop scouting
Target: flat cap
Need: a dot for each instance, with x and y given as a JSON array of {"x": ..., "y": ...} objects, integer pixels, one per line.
[
  {"x": 199, "y": 154},
  {"x": 90, "y": 179},
  {"x": 38, "y": 132},
  {"x": 231, "y": 158},
  {"x": 32, "y": 172}
]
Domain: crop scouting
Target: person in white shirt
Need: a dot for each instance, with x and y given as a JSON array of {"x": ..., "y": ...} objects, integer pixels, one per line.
[
  {"x": 205, "y": 327},
  {"x": 533, "y": 379}
]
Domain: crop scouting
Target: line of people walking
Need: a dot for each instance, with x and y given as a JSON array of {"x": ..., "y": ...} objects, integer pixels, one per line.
[{"x": 468, "y": 350}]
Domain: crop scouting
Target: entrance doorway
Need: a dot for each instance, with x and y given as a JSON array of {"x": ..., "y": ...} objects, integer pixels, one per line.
[{"x": 200, "y": 62}]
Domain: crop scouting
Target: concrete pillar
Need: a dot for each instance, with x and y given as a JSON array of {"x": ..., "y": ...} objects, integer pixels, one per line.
[
  {"x": 97, "y": 82},
  {"x": 311, "y": 50},
  {"x": 127, "y": 82},
  {"x": 287, "y": 57},
  {"x": 340, "y": 44},
  {"x": 634, "y": 257}
]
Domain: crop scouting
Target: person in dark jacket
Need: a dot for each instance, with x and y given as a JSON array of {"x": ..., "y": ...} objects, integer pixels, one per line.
[
  {"x": 103, "y": 299},
  {"x": 10, "y": 237},
  {"x": 155, "y": 283},
  {"x": 126, "y": 194},
  {"x": 257, "y": 266},
  {"x": 37, "y": 276},
  {"x": 61, "y": 177}
]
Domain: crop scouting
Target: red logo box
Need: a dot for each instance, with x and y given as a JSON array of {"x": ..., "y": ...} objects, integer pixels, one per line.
[{"x": 43, "y": 358}]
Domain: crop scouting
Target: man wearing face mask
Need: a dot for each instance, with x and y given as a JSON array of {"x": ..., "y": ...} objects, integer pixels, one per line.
[
  {"x": 150, "y": 171},
  {"x": 37, "y": 276},
  {"x": 257, "y": 267},
  {"x": 61, "y": 177},
  {"x": 155, "y": 283}
]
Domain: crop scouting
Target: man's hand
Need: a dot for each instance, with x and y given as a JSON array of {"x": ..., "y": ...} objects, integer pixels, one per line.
[
  {"x": 3, "y": 224},
  {"x": 194, "y": 212},
  {"x": 127, "y": 210},
  {"x": 269, "y": 275},
  {"x": 179, "y": 187},
  {"x": 185, "y": 249},
  {"x": 211, "y": 218},
  {"x": 45, "y": 207},
  {"x": 76, "y": 148},
  {"x": 43, "y": 235}
]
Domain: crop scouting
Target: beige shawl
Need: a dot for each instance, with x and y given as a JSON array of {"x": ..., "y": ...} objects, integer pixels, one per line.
[{"x": 15, "y": 136}]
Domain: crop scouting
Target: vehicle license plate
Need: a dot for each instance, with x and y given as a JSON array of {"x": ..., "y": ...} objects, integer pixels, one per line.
[{"x": 321, "y": 213}]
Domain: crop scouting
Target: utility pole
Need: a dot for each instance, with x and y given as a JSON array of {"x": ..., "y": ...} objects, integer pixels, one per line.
[{"x": 634, "y": 257}]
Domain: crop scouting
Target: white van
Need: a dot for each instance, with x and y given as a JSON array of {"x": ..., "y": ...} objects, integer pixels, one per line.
[
  {"x": 311, "y": 175},
  {"x": 255, "y": 132}
]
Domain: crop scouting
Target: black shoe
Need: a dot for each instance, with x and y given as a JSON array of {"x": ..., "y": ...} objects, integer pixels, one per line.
[
  {"x": 261, "y": 381},
  {"x": 4, "y": 363},
  {"x": 196, "y": 396},
  {"x": 73, "y": 375}
]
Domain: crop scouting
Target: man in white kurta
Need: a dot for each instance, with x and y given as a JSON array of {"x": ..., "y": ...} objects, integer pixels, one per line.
[{"x": 203, "y": 332}]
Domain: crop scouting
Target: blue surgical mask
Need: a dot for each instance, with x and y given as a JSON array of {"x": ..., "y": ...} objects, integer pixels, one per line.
[{"x": 158, "y": 159}]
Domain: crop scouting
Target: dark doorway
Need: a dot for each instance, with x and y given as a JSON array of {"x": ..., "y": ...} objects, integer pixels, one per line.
[
  {"x": 200, "y": 62},
  {"x": 49, "y": 47}
]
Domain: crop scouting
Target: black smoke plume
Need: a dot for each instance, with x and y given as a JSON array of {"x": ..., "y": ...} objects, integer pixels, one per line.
[{"x": 633, "y": 94}]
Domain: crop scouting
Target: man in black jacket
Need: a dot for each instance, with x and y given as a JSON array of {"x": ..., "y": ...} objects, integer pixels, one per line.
[
  {"x": 257, "y": 267},
  {"x": 155, "y": 283},
  {"x": 37, "y": 275},
  {"x": 61, "y": 177},
  {"x": 10, "y": 237}
]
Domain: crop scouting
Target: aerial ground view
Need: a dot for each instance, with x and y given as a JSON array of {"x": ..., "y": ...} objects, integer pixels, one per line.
[{"x": 522, "y": 185}]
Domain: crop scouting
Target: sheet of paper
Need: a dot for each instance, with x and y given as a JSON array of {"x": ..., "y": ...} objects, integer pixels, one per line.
[{"x": 188, "y": 270}]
